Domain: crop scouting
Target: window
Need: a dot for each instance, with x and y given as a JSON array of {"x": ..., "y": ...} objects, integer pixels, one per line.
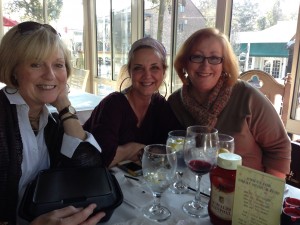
[
  {"x": 121, "y": 33},
  {"x": 71, "y": 30},
  {"x": 58, "y": 15},
  {"x": 263, "y": 34},
  {"x": 267, "y": 66},
  {"x": 266, "y": 32},
  {"x": 113, "y": 42},
  {"x": 276, "y": 68},
  {"x": 103, "y": 21},
  {"x": 263, "y": 31}
]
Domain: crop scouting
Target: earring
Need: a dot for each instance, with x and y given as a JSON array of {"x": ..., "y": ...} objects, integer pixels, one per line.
[
  {"x": 68, "y": 88},
  {"x": 10, "y": 91},
  {"x": 225, "y": 74},
  {"x": 166, "y": 88},
  {"x": 120, "y": 88},
  {"x": 187, "y": 80}
]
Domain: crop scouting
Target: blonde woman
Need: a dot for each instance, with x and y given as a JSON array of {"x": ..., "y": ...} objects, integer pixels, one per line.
[{"x": 35, "y": 65}]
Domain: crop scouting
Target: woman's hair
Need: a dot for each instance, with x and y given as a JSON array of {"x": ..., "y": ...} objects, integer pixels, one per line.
[
  {"x": 148, "y": 42},
  {"x": 230, "y": 63},
  {"x": 25, "y": 42}
]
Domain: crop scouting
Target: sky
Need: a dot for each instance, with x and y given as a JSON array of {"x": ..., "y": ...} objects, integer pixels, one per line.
[{"x": 72, "y": 14}]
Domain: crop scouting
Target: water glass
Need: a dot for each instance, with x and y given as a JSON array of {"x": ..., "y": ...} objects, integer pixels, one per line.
[
  {"x": 226, "y": 143},
  {"x": 176, "y": 141},
  {"x": 159, "y": 164}
]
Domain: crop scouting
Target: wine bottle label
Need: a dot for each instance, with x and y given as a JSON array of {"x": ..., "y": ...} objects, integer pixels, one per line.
[{"x": 221, "y": 203}]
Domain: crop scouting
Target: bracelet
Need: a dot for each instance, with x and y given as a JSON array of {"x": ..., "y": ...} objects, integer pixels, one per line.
[
  {"x": 69, "y": 117},
  {"x": 68, "y": 109}
]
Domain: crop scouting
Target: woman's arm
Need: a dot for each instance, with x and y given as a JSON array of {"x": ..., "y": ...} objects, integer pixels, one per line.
[
  {"x": 129, "y": 151},
  {"x": 72, "y": 126},
  {"x": 79, "y": 147},
  {"x": 271, "y": 135}
]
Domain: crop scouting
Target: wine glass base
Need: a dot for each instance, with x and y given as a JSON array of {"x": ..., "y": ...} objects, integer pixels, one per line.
[
  {"x": 179, "y": 188},
  {"x": 157, "y": 214},
  {"x": 195, "y": 209}
]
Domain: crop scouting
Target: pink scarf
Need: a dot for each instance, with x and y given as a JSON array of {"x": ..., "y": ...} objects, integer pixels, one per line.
[{"x": 207, "y": 114}]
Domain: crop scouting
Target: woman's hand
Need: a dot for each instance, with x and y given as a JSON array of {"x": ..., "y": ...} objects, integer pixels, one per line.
[
  {"x": 72, "y": 126},
  {"x": 62, "y": 99},
  {"x": 70, "y": 216},
  {"x": 129, "y": 151}
]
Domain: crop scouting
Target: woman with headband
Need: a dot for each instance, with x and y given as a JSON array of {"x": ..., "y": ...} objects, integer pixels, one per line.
[{"x": 124, "y": 122}]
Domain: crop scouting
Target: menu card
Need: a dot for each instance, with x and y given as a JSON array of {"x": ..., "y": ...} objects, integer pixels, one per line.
[{"x": 258, "y": 198}]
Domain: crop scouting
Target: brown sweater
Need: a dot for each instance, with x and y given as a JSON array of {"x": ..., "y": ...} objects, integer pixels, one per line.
[{"x": 260, "y": 137}]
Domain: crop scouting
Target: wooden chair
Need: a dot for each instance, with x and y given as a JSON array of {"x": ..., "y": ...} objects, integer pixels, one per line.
[
  {"x": 79, "y": 78},
  {"x": 293, "y": 178},
  {"x": 277, "y": 93}
]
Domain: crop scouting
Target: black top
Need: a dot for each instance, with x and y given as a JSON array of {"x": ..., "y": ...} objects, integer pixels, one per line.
[{"x": 113, "y": 123}]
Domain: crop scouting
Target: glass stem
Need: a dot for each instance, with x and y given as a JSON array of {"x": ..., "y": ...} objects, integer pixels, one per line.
[
  {"x": 198, "y": 194},
  {"x": 179, "y": 178},
  {"x": 156, "y": 207}
]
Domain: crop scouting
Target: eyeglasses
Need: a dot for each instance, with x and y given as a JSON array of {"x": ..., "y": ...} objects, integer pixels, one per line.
[
  {"x": 32, "y": 26},
  {"x": 214, "y": 60}
]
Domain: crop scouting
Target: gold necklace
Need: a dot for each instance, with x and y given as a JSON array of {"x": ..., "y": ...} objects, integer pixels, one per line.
[
  {"x": 34, "y": 119},
  {"x": 34, "y": 122}
]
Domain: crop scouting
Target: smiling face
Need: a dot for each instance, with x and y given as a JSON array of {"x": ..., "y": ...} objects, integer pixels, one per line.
[
  {"x": 204, "y": 76},
  {"x": 146, "y": 71},
  {"x": 40, "y": 82}
]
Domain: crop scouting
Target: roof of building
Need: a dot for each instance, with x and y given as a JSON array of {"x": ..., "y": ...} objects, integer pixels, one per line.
[{"x": 283, "y": 31}]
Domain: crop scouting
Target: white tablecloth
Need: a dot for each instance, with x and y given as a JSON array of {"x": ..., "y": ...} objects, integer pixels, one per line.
[{"x": 137, "y": 195}]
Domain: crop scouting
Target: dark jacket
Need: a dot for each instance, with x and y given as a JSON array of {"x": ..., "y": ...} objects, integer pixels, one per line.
[{"x": 11, "y": 148}]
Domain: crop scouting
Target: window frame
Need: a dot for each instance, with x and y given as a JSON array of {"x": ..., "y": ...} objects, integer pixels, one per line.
[{"x": 293, "y": 126}]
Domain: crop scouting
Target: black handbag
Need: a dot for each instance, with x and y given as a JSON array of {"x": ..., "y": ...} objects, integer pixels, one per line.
[{"x": 58, "y": 188}]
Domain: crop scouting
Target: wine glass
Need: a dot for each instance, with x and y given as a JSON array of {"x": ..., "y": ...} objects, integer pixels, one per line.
[
  {"x": 159, "y": 164},
  {"x": 226, "y": 143},
  {"x": 200, "y": 155},
  {"x": 176, "y": 141}
]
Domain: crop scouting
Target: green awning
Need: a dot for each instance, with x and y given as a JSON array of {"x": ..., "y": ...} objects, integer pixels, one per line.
[{"x": 266, "y": 49}]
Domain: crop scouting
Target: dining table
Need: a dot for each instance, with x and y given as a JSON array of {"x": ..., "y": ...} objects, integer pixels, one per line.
[{"x": 137, "y": 195}]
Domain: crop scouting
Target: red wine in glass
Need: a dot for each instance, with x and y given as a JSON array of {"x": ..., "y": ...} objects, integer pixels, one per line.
[
  {"x": 200, "y": 151},
  {"x": 199, "y": 167}
]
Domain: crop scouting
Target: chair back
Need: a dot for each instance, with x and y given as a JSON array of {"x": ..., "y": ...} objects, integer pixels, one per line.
[
  {"x": 79, "y": 78},
  {"x": 277, "y": 93},
  {"x": 293, "y": 178}
]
